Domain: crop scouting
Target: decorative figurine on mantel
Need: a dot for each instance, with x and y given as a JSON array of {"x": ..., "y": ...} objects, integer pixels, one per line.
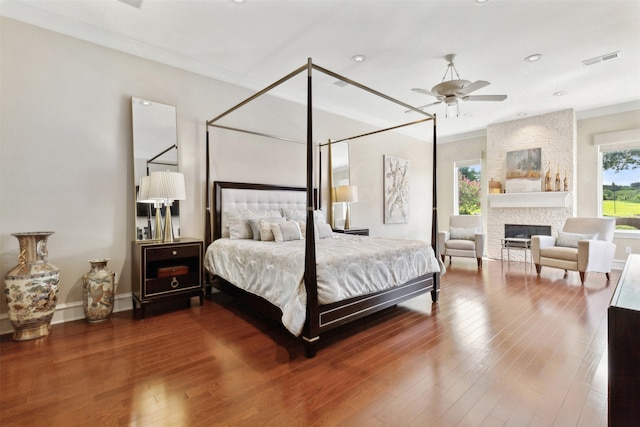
[
  {"x": 558, "y": 188},
  {"x": 566, "y": 181},
  {"x": 547, "y": 178}
]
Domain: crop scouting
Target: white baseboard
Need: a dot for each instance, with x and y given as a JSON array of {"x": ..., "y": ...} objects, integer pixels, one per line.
[{"x": 69, "y": 312}]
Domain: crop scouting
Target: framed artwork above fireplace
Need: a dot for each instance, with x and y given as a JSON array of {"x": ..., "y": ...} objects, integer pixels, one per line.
[{"x": 524, "y": 171}]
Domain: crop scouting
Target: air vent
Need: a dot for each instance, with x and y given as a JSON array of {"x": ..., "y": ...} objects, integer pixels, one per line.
[{"x": 602, "y": 58}]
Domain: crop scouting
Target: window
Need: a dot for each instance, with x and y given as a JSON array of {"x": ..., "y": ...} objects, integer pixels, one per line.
[
  {"x": 467, "y": 188},
  {"x": 620, "y": 184}
]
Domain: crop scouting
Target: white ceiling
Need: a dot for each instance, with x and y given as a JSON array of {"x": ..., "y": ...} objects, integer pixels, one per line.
[{"x": 255, "y": 43}]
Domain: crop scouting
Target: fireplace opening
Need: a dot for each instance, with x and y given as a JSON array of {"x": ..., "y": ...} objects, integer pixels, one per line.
[{"x": 525, "y": 231}]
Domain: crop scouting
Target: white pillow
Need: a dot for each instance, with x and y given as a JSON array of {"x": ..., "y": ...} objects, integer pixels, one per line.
[
  {"x": 285, "y": 231},
  {"x": 240, "y": 230},
  {"x": 570, "y": 240},
  {"x": 318, "y": 217},
  {"x": 324, "y": 231},
  {"x": 458, "y": 233}
]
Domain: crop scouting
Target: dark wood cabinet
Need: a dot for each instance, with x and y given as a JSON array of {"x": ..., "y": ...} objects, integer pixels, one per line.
[
  {"x": 356, "y": 231},
  {"x": 624, "y": 347},
  {"x": 166, "y": 271}
]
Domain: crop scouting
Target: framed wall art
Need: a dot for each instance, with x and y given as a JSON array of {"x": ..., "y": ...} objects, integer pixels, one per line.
[
  {"x": 396, "y": 190},
  {"x": 524, "y": 171}
]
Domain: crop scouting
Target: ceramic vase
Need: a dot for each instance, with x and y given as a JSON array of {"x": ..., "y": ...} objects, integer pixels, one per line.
[
  {"x": 31, "y": 288},
  {"x": 99, "y": 291}
]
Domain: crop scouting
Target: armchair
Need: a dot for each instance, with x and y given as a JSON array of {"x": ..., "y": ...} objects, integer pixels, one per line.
[
  {"x": 465, "y": 238},
  {"x": 584, "y": 244}
]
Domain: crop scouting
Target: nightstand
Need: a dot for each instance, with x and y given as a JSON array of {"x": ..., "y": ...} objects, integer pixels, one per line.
[
  {"x": 166, "y": 271},
  {"x": 355, "y": 231}
]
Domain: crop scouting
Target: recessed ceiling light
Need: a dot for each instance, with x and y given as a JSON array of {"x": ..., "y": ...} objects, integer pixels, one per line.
[
  {"x": 238, "y": 1},
  {"x": 533, "y": 58},
  {"x": 358, "y": 58},
  {"x": 482, "y": 1},
  {"x": 560, "y": 93},
  {"x": 468, "y": 114},
  {"x": 522, "y": 114}
]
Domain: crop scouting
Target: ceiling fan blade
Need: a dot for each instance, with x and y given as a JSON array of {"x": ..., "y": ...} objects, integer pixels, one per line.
[
  {"x": 424, "y": 92},
  {"x": 472, "y": 87},
  {"x": 425, "y": 106},
  {"x": 484, "y": 98}
]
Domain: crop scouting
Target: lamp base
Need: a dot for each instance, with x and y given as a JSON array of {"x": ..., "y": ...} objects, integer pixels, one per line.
[{"x": 347, "y": 219}]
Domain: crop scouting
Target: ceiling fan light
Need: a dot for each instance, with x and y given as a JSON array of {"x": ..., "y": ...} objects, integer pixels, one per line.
[{"x": 452, "y": 110}]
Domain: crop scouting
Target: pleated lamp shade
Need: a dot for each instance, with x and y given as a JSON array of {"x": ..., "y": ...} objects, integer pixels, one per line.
[
  {"x": 143, "y": 191},
  {"x": 167, "y": 185}
]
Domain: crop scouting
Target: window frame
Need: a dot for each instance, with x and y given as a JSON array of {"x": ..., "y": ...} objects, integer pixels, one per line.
[
  {"x": 615, "y": 141},
  {"x": 456, "y": 198}
]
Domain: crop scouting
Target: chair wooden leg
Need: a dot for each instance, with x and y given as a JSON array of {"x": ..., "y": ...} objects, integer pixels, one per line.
[
  {"x": 442, "y": 256},
  {"x": 582, "y": 276},
  {"x": 479, "y": 263},
  {"x": 538, "y": 268},
  {"x": 608, "y": 277}
]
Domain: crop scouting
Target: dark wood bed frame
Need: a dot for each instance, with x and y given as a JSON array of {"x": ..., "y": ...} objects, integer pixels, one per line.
[{"x": 319, "y": 318}]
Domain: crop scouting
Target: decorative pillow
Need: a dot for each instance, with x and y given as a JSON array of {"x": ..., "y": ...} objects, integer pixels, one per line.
[
  {"x": 294, "y": 214},
  {"x": 247, "y": 214},
  {"x": 255, "y": 228},
  {"x": 303, "y": 228},
  {"x": 458, "y": 233},
  {"x": 324, "y": 231},
  {"x": 240, "y": 230},
  {"x": 318, "y": 217},
  {"x": 266, "y": 235},
  {"x": 570, "y": 240},
  {"x": 285, "y": 231}
]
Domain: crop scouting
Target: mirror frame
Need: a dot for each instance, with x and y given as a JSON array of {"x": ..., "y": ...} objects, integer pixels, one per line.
[{"x": 155, "y": 148}]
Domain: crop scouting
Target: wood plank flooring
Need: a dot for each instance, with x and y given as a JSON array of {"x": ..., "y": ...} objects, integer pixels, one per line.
[{"x": 501, "y": 348}]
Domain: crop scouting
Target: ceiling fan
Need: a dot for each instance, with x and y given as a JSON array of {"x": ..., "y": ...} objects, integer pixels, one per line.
[{"x": 455, "y": 89}]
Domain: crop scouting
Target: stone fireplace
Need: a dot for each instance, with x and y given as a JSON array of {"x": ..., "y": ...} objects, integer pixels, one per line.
[{"x": 556, "y": 135}]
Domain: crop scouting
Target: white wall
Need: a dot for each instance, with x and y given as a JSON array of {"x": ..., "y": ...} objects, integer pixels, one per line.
[{"x": 66, "y": 151}]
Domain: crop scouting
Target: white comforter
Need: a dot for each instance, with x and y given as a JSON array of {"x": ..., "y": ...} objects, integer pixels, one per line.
[{"x": 347, "y": 266}]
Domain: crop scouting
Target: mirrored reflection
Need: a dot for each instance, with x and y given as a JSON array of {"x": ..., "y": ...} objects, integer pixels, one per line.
[
  {"x": 155, "y": 148},
  {"x": 339, "y": 176}
]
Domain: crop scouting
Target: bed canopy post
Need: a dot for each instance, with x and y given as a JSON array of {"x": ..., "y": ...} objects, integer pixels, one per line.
[
  {"x": 207, "y": 197},
  {"x": 434, "y": 215},
  {"x": 310, "y": 333}
]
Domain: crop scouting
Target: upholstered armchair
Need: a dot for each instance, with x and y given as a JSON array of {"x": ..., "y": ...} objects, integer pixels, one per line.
[
  {"x": 465, "y": 238},
  {"x": 583, "y": 245}
]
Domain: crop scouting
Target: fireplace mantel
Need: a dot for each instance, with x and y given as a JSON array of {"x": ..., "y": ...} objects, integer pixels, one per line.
[{"x": 546, "y": 199}]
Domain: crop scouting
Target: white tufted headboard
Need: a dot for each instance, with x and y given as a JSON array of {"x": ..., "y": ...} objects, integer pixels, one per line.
[{"x": 234, "y": 196}]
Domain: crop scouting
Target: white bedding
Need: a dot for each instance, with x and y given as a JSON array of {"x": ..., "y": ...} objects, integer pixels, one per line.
[{"x": 347, "y": 266}]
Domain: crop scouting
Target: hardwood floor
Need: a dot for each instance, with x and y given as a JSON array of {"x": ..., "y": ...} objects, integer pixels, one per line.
[{"x": 501, "y": 348}]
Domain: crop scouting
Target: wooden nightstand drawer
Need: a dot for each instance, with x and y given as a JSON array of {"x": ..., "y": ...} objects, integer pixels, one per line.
[
  {"x": 167, "y": 253},
  {"x": 172, "y": 284}
]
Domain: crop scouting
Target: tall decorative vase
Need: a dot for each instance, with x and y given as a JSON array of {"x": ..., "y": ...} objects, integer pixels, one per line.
[
  {"x": 31, "y": 287},
  {"x": 99, "y": 290}
]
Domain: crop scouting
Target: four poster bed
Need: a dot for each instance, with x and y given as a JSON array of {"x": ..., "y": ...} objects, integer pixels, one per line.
[{"x": 271, "y": 247}]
